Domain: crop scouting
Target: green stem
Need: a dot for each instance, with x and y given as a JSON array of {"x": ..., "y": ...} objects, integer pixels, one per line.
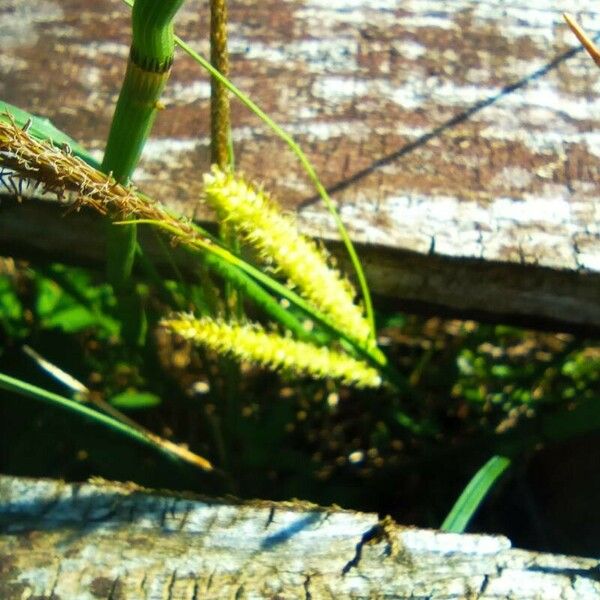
[
  {"x": 306, "y": 164},
  {"x": 148, "y": 69}
]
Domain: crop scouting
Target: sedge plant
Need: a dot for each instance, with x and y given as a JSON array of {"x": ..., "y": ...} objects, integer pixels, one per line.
[
  {"x": 316, "y": 327},
  {"x": 312, "y": 324}
]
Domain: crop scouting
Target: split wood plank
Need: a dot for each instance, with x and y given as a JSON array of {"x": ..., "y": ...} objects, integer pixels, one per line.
[
  {"x": 107, "y": 540},
  {"x": 459, "y": 138}
]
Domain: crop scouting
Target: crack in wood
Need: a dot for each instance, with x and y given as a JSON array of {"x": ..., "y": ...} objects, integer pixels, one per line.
[
  {"x": 114, "y": 592},
  {"x": 171, "y": 585},
  {"x": 270, "y": 517},
  {"x": 52, "y": 595},
  {"x": 306, "y": 586},
  {"x": 372, "y": 534}
]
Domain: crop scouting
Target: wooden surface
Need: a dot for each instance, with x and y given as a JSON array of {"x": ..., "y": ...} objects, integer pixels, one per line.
[
  {"x": 117, "y": 542},
  {"x": 459, "y": 137}
]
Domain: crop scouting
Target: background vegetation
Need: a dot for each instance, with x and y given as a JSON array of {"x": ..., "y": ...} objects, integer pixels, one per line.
[
  {"x": 468, "y": 392},
  {"x": 473, "y": 389}
]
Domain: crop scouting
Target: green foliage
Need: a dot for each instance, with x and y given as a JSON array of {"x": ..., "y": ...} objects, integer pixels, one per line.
[
  {"x": 474, "y": 494},
  {"x": 456, "y": 391},
  {"x": 11, "y": 310},
  {"x": 66, "y": 299},
  {"x": 134, "y": 400}
]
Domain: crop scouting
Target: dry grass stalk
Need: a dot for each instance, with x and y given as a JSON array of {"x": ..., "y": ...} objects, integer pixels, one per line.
[{"x": 57, "y": 171}]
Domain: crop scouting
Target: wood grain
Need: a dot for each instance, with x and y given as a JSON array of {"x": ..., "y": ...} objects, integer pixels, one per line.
[
  {"x": 116, "y": 541},
  {"x": 458, "y": 137}
]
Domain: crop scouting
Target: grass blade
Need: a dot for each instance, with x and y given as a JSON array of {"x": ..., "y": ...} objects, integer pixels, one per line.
[
  {"x": 474, "y": 494},
  {"x": 227, "y": 259},
  {"x": 147, "y": 439}
]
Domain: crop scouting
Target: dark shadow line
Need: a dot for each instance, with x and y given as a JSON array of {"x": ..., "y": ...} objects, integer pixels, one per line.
[
  {"x": 457, "y": 119},
  {"x": 285, "y": 534}
]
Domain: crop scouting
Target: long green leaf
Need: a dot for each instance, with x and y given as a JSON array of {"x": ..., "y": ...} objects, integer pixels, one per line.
[
  {"x": 474, "y": 494},
  {"x": 373, "y": 355},
  {"x": 168, "y": 449}
]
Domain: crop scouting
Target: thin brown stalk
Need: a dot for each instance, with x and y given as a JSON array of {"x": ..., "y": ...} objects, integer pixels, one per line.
[
  {"x": 220, "y": 121},
  {"x": 220, "y": 129},
  {"x": 582, "y": 36}
]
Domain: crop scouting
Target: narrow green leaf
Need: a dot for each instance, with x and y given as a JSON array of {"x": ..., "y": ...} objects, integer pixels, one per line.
[
  {"x": 474, "y": 494},
  {"x": 373, "y": 355},
  {"x": 23, "y": 388}
]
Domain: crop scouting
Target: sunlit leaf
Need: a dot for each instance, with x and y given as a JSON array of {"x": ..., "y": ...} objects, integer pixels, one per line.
[{"x": 134, "y": 400}]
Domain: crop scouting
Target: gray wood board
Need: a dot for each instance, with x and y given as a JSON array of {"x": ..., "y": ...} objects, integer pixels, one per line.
[
  {"x": 117, "y": 541},
  {"x": 458, "y": 137}
]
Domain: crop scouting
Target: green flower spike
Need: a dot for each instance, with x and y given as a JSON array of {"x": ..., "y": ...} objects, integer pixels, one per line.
[
  {"x": 253, "y": 344},
  {"x": 260, "y": 223}
]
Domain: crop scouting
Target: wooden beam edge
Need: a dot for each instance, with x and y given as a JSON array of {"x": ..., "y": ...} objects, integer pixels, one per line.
[
  {"x": 522, "y": 294},
  {"x": 146, "y": 544}
]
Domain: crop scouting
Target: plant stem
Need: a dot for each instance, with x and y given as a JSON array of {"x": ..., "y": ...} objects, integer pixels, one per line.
[
  {"x": 220, "y": 134},
  {"x": 148, "y": 69},
  {"x": 306, "y": 164},
  {"x": 220, "y": 122},
  {"x": 221, "y": 152}
]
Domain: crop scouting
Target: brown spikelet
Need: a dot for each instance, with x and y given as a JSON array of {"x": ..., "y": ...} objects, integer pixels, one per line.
[{"x": 57, "y": 171}]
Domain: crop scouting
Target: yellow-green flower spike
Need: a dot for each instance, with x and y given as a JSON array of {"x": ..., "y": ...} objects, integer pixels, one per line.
[
  {"x": 253, "y": 344},
  {"x": 261, "y": 224}
]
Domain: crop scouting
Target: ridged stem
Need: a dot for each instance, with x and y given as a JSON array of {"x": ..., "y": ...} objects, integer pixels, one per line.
[{"x": 147, "y": 72}]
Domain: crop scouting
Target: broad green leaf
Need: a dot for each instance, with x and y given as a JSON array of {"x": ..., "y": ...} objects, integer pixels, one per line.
[
  {"x": 71, "y": 319},
  {"x": 48, "y": 297},
  {"x": 11, "y": 310},
  {"x": 10, "y": 305}
]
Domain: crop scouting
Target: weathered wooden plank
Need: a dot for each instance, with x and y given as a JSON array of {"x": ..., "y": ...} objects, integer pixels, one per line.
[
  {"x": 459, "y": 137},
  {"x": 544, "y": 297},
  {"x": 106, "y": 540}
]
